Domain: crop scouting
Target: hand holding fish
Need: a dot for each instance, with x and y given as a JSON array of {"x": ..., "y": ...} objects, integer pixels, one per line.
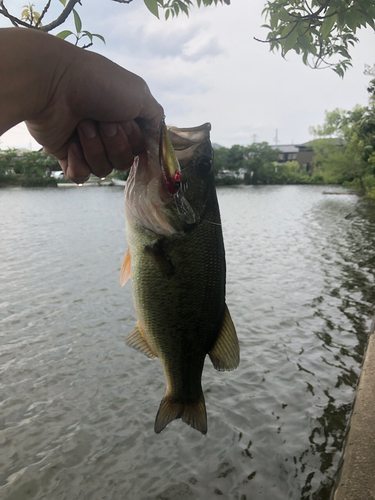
[{"x": 78, "y": 105}]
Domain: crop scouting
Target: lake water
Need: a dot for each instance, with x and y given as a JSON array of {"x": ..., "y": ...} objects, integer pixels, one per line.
[{"x": 77, "y": 407}]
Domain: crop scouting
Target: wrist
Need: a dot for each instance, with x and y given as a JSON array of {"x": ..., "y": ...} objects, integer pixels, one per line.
[{"x": 31, "y": 66}]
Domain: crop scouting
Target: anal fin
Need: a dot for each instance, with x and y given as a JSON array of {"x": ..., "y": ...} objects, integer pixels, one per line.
[
  {"x": 136, "y": 340},
  {"x": 225, "y": 354},
  {"x": 125, "y": 268}
]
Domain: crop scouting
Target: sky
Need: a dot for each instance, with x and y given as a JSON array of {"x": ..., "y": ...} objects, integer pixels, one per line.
[{"x": 209, "y": 68}]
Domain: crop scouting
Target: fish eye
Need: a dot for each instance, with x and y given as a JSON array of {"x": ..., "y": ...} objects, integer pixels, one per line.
[{"x": 204, "y": 164}]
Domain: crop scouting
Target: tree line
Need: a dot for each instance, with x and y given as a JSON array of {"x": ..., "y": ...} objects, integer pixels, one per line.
[
  {"x": 28, "y": 169},
  {"x": 256, "y": 164},
  {"x": 345, "y": 146}
]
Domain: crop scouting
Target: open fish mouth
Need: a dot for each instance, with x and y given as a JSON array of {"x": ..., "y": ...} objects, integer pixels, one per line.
[
  {"x": 156, "y": 178},
  {"x": 168, "y": 161}
]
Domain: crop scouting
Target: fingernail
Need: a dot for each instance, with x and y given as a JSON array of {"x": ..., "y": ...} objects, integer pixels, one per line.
[
  {"x": 109, "y": 129},
  {"x": 88, "y": 129}
]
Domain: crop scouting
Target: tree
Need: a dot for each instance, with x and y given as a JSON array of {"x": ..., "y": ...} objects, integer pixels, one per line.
[
  {"x": 321, "y": 31},
  {"x": 352, "y": 158},
  {"x": 30, "y": 18},
  {"x": 261, "y": 163},
  {"x": 220, "y": 159},
  {"x": 258, "y": 160},
  {"x": 27, "y": 169}
]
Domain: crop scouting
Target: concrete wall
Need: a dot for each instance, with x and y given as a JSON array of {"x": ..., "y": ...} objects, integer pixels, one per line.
[{"x": 356, "y": 479}]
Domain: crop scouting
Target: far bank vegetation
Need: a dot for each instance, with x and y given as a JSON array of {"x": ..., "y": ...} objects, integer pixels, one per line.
[{"x": 343, "y": 154}]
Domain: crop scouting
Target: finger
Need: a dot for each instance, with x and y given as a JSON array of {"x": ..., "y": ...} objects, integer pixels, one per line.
[
  {"x": 74, "y": 165},
  {"x": 151, "y": 110},
  {"x": 93, "y": 148},
  {"x": 117, "y": 147},
  {"x": 134, "y": 135}
]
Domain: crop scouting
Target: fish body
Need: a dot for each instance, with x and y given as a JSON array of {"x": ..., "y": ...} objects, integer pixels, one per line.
[{"x": 176, "y": 261}]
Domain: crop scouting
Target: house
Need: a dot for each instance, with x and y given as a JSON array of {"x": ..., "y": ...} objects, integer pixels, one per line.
[
  {"x": 302, "y": 153},
  {"x": 225, "y": 174}
]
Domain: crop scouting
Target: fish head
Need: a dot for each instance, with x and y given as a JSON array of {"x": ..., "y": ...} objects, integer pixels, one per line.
[
  {"x": 195, "y": 155},
  {"x": 148, "y": 192},
  {"x": 168, "y": 185}
]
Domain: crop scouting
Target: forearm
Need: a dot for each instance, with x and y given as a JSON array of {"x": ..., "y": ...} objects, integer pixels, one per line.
[
  {"x": 78, "y": 105},
  {"x": 29, "y": 66}
]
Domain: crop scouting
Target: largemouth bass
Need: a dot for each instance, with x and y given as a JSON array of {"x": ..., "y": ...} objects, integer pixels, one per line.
[{"x": 176, "y": 262}]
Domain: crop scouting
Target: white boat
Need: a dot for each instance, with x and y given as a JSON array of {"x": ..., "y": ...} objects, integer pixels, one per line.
[{"x": 118, "y": 182}]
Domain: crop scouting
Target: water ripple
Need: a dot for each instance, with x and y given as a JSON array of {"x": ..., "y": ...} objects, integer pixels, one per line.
[{"x": 77, "y": 406}]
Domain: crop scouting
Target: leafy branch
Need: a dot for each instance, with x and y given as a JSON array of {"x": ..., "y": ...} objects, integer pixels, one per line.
[
  {"x": 322, "y": 32},
  {"x": 173, "y": 8},
  {"x": 80, "y": 34},
  {"x": 27, "y": 21},
  {"x": 32, "y": 19}
]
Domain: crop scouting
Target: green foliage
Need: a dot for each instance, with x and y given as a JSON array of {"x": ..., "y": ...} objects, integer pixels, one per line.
[
  {"x": 261, "y": 158},
  {"x": 120, "y": 174},
  {"x": 351, "y": 159},
  {"x": 334, "y": 162},
  {"x": 259, "y": 161},
  {"x": 287, "y": 173},
  {"x": 6, "y": 161},
  {"x": 26, "y": 169},
  {"x": 227, "y": 181},
  {"x": 79, "y": 34},
  {"x": 173, "y": 8},
  {"x": 31, "y": 19},
  {"x": 220, "y": 159},
  {"x": 321, "y": 32},
  {"x": 253, "y": 158},
  {"x": 30, "y": 16}
]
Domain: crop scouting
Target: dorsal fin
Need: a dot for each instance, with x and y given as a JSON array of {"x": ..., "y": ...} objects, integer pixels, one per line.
[
  {"x": 137, "y": 341},
  {"x": 225, "y": 354},
  {"x": 125, "y": 268}
]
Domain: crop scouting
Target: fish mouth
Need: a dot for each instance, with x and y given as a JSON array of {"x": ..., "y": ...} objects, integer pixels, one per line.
[
  {"x": 155, "y": 187},
  {"x": 153, "y": 183},
  {"x": 169, "y": 164}
]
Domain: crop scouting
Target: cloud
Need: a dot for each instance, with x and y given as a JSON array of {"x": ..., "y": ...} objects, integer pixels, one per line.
[
  {"x": 208, "y": 67},
  {"x": 137, "y": 34}
]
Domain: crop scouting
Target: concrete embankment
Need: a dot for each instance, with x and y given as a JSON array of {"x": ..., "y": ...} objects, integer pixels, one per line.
[{"x": 356, "y": 479}]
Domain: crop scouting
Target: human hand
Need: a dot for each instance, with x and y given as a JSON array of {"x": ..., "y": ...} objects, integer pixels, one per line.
[{"x": 80, "y": 106}]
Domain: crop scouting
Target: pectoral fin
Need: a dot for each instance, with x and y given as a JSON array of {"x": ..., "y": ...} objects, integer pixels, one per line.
[
  {"x": 161, "y": 257},
  {"x": 136, "y": 340},
  {"x": 125, "y": 268},
  {"x": 225, "y": 355}
]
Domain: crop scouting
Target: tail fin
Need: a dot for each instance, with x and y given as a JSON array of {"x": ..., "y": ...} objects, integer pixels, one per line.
[{"x": 192, "y": 413}]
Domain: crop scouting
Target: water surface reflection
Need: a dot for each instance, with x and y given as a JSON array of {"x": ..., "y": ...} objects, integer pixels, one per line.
[{"x": 77, "y": 407}]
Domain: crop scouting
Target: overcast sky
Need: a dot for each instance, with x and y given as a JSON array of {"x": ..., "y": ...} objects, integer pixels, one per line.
[{"x": 208, "y": 67}]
